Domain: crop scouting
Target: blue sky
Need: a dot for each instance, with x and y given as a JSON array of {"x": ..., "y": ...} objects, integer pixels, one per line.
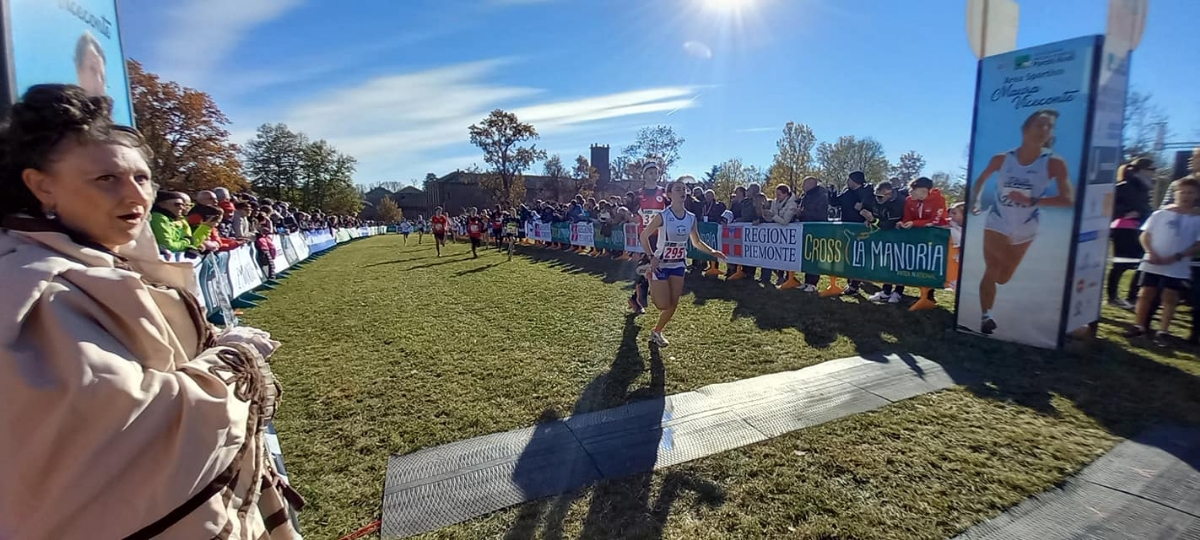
[{"x": 396, "y": 82}]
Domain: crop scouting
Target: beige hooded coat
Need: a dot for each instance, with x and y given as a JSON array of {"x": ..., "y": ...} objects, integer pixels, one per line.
[{"x": 121, "y": 418}]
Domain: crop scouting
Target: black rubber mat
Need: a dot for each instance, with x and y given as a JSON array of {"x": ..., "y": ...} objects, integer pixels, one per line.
[
  {"x": 653, "y": 434},
  {"x": 1143, "y": 489},
  {"x": 444, "y": 485},
  {"x": 448, "y": 484}
]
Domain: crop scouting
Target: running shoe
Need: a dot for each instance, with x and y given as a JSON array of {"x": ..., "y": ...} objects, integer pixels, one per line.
[
  {"x": 1134, "y": 332},
  {"x": 988, "y": 326},
  {"x": 1162, "y": 339},
  {"x": 850, "y": 291},
  {"x": 636, "y": 308},
  {"x": 894, "y": 298},
  {"x": 1121, "y": 303},
  {"x": 657, "y": 338},
  {"x": 878, "y": 297},
  {"x": 809, "y": 288}
]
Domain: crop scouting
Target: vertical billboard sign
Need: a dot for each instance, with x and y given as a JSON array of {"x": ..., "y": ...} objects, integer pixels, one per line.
[
  {"x": 68, "y": 41},
  {"x": 1032, "y": 113},
  {"x": 1126, "y": 21}
]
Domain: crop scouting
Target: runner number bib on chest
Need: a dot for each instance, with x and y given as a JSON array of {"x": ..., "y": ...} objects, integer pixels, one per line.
[{"x": 676, "y": 231}]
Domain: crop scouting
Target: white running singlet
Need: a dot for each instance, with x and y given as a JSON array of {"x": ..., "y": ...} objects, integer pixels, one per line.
[
  {"x": 672, "y": 249},
  {"x": 1017, "y": 221}
]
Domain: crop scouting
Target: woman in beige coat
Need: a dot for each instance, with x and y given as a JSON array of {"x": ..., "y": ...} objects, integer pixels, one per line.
[{"x": 124, "y": 415}]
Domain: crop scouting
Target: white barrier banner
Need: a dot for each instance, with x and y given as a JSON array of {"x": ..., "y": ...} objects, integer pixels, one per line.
[
  {"x": 298, "y": 246},
  {"x": 197, "y": 265},
  {"x": 538, "y": 231},
  {"x": 244, "y": 274},
  {"x": 633, "y": 239},
  {"x": 281, "y": 262},
  {"x": 583, "y": 234},
  {"x": 764, "y": 246}
]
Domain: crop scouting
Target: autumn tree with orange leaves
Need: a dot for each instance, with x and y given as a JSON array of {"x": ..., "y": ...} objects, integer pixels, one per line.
[{"x": 186, "y": 131}]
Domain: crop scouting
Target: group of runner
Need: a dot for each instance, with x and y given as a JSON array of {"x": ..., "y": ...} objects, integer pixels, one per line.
[
  {"x": 664, "y": 263},
  {"x": 667, "y": 227},
  {"x": 501, "y": 225}
]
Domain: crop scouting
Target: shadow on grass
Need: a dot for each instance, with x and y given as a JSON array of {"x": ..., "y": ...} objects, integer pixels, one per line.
[
  {"x": 618, "y": 507},
  {"x": 608, "y": 269},
  {"x": 478, "y": 269},
  {"x": 1123, "y": 389}
]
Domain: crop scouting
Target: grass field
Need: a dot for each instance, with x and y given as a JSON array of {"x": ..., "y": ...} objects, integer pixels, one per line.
[{"x": 389, "y": 349}]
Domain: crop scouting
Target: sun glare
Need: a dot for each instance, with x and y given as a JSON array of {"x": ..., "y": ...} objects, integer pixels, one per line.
[{"x": 727, "y": 5}]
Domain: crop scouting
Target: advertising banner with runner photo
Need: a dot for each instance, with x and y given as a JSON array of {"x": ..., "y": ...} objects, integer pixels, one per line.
[
  {"x": 855, "y": 251},
  {"x": 1027, "y": 158},
  {"x": 71, "y": 42},
  {"x": 764, "y": 246}
]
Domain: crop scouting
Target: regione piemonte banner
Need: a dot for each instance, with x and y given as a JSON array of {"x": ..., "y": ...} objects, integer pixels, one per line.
[
  {"x": 1032, "y": 110},
  {"x": 72, "y": 42}
]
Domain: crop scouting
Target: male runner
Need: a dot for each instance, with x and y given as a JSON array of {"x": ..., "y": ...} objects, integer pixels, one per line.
[
  {"x": 475, "y": 226},
  {"x": 440, "y": 227},
  {"x": 497, "y": 227},
  {"x": 652, "y": 200}
]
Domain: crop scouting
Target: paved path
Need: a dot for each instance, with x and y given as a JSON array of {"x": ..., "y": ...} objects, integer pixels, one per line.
[
  {"x": 444, "y": 485},
  {"x": 1147, "y": 488}
]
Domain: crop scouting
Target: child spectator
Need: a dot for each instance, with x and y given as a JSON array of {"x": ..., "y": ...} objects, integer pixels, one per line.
[
  {"x": 265, "y": 252},
  {"x": 1171, "y": 237},
  {"x": 958, "y": 216}
]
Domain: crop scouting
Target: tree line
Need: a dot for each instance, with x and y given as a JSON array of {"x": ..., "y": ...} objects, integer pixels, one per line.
[
  {"x": 186, "y": 131},
  {"x": 509, "y": 148}
]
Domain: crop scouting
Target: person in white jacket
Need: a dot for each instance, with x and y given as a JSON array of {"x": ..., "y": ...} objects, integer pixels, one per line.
[
  {"x": 124, "y": 413},
  {"x": 783, "y": 207}
]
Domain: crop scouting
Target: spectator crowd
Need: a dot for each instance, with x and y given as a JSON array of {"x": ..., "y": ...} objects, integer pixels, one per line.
[
  {"x": 217, "y": 220},
  {"x": 893, "y": 204},
  {"x": 890, "y": 204}
]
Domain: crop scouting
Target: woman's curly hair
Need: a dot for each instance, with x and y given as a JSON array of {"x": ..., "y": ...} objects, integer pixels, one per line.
[{"x": 45, "y": 116}]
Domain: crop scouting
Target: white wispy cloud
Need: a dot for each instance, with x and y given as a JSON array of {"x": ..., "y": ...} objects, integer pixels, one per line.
[
  {"x": 199, "y": 34},
  {"x": 326, "y": 64},
  {"x": 418, "y": 121}
]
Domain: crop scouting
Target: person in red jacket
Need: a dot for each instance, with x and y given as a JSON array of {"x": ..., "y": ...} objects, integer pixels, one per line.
[{"x": 925, "y": 207}]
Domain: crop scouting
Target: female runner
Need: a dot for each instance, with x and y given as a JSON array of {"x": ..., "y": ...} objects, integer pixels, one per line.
[
  {"x": 1026, "y": 174},
  {"x": 668, "y": 263}
]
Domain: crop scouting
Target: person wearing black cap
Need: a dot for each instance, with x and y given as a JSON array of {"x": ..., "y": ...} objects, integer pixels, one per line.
[
  {"x": 856, "y": 203},
  {"x": 1131, "y": 207}
]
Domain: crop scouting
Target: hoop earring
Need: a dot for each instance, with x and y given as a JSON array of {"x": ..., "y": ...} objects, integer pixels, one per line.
[{"x": 51, "y": 214}]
